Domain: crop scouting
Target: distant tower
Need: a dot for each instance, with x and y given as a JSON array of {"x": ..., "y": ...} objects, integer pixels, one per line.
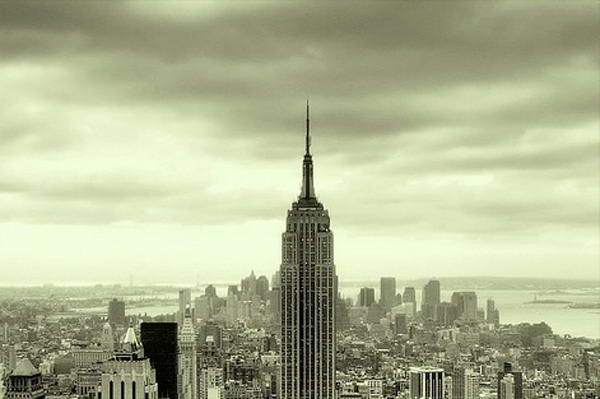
[
  {"x": 107, "y": 339},
  {"x": 116, "y": 312},
  {"x": 25, "y": 382},
  {"x": 187, "y": 358},
  {"x": 388, "y": 292},
  {"x": 431, "y": 298},
  {"x": 185, "y": 301},
  {"x": 366, "y": 297},
  {"x": 308, "y": 294}
]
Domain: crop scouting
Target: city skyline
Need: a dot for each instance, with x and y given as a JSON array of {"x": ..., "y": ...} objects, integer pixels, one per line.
[{"x": 465, "y": 160}]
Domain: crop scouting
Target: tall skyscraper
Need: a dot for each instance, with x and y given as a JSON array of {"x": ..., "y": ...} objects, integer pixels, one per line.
[
  {"x": 160, "y": 346},
  {"x": 426, "y": 383},
  {"x": 187, "y": 359},
  {"x": 430, "y": 299},
  {"x": 366, "y": 297},
  {"x": 388, "y": 292},
  {"x": 308, "y": 294},
  {"x": 116, "y": 312}
]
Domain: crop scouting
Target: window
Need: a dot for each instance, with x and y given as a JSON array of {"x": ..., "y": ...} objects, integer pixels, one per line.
[
  {"x": 132, "y": 389},
  {"x": 111, "y": 390},
  {"x": 122, "y": 389}
]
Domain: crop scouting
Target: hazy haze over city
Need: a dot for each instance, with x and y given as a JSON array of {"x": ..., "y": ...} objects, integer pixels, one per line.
[{"x": 448, "y": 139}]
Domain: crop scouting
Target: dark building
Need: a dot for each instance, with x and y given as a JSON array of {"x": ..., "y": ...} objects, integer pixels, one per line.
[
  {"x": 366, "y": 297},
  {"x": 308, "y": 295},
  {"x": 116, "y": 312},
  {"x": 160, "y": 346},
  {"x": 388, "y": 292},
  {"x": 518, "y": 380},
  {"x": 430, "y": 299}
]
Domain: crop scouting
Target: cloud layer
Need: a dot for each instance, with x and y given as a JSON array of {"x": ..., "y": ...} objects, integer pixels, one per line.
[{"x": 463, "y": 125}]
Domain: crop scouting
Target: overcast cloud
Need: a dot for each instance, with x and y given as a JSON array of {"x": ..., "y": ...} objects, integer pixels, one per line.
[{"x": 164, "y": 140}]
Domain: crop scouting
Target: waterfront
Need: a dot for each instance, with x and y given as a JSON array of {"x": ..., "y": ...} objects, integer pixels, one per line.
[{"x": 512, "y": 304}]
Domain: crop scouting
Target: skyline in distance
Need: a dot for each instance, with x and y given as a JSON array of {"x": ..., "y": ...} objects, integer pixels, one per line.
[{"x": 485, "y": 169}]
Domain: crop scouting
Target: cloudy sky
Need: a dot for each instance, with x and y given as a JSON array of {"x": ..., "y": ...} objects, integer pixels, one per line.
[{"x": 165, "y": 140}]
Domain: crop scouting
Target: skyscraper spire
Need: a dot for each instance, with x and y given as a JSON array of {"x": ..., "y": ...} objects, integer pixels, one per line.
[
  {"x": 308, "y": 189},
  {"x": 307, "y": 128}
]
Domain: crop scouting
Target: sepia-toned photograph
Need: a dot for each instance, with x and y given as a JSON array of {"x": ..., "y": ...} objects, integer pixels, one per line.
[{"x": 299, "y": 199}]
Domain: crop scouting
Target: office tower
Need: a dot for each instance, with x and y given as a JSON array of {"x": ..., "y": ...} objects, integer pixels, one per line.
[
  {"x": 409, "y": 295},
  {"x": 160, "y": 346},
  {"x": 262, "y": 287},
  {"x": 466, "y": 303},
  {"x": 248, "y": 285},
  {"x": 515, "y": 384},
  {"x": 492, "y": 314},
  {"x": 366, "y": 297},
  {"x": 210, "y": 383},
  {"x": 400, "y": 324},
  {"x": 128, "y": 374},
  {"x": 308, "y": 293},
  {"x": 187, "y": 359},
  {"x": 185, "y": 301},
  {"x": 430, "y": 299},
  {"x": 107, "y": 339},
  {"x": 210, "y": 291},
  {"x": 116, "y": 312},
  {"x": 426, "y": 383},
  {"x": 388, "y": 292},
  {"x": 446, "y": 313},
  {"x": 25, "y": 382},
  {"x": 465, "y": 383}
]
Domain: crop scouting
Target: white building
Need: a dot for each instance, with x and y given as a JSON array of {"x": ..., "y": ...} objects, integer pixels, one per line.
[{"x": 187, "y": 359}]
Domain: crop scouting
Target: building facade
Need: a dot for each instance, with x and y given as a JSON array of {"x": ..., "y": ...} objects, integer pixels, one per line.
[
  {"x": 308, "y": 293},
  {"x": 187, "y": 359},
  {"x": 426, "y": 383}
]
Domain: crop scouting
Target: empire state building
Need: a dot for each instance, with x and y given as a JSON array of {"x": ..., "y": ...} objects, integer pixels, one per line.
[{"x": 308, "y": 292}]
